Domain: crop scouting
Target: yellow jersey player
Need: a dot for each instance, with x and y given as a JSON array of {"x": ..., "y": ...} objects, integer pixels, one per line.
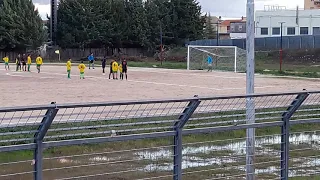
[
  {"x": 6, "y": 63},
  {"x": 29, "y": 62},
  {"x": 115, "y": 67},
  {"x": 69, "y": 68},
  {"x": 121, "y": 71},
  {"x": 39, "y": 62},
  {"x": 81, "y": 67}
]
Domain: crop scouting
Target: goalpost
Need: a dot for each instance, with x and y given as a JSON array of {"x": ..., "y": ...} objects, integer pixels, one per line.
[{"x": 227, "y": 58}]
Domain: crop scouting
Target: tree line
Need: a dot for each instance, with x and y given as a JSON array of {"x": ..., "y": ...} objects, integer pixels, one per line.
[
  {"x": 20, "y": 25},
  {"x": 104, "y": 23},
  {"x": 128, "y": 23}
]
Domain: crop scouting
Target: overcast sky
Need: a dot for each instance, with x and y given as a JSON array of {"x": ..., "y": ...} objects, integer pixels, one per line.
[{"x": 224, "y": 8}]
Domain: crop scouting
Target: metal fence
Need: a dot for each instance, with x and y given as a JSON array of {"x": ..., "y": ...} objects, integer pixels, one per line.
[
  {"x": 195, "y": 138},
  {"x": 267, "y": 43}
]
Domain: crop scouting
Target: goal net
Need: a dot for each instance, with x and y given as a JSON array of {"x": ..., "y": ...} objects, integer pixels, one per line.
[{"x": 227, "y": 58}]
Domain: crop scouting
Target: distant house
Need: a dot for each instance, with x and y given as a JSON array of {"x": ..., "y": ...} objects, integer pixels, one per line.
[{"x": 232, "y": 28}]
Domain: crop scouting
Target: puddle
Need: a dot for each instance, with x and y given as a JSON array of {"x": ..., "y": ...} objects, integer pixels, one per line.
[
  {"x": 230, "y": 157},
  {"x": 191, "y": 157},
  {"x": 67, "y": 161}
]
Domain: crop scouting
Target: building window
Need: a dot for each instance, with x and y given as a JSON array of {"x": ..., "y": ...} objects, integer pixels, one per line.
[
  {"x": 291, "y": 31},
  {"x": 304, "y": 30},
  {"x": 240, "y": 28},
  {"x": 276, "y": 31},
  {"x": 264, "y": 31},
  {"x": 316, "y": 30}
]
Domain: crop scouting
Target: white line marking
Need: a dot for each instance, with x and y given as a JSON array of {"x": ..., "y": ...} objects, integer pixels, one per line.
[
  {"x": 168, "y": 84},
  {"x": 158, "y": 83},
  {"x": 19, "y": 76},
  {"x": 189, "y": 74},
  {"x": 46, "y": 77}
]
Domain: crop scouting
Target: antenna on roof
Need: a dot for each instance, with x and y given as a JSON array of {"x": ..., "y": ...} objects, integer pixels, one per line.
[{"x": 297, "y": 15}]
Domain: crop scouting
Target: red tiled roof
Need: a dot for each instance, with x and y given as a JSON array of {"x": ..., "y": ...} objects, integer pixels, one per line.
[{"x": 227, "y": 22}]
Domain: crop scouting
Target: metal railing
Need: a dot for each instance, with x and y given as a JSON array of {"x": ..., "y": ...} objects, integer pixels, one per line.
[{"x": 194, "y": 138}]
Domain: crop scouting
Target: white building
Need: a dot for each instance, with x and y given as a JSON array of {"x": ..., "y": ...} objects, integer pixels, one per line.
[{"x": 301, "y": 22}]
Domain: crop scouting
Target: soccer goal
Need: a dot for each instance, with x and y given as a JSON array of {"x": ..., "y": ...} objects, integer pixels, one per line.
[{"x": 227, "y": 58}]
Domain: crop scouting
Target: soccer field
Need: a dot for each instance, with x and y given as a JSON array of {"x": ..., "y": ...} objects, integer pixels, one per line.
[{"x": 52, "y": 85}]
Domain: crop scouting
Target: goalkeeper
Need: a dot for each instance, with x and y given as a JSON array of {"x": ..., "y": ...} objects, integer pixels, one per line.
[{"x": 209, "y": 61}]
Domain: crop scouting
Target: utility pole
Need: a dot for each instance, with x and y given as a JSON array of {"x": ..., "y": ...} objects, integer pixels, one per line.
[
  {"x": 218, "y": 37},
  {"x": 250, "y": 105},
  {"x": 53, "y": 21},
  {"x": 281, "y": 44},
  {"x": 161, "y": 45}
]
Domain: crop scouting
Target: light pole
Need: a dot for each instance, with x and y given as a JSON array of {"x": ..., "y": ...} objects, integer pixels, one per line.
[
  {"x": 250, "y": 105},
  {"x": 161, "y": 45},
  {"x": 218, "y": 37},
  {"x": 281, "y": 52}
]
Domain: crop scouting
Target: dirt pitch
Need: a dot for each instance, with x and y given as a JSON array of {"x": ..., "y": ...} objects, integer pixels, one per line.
[{"x": 52, "y": 85}]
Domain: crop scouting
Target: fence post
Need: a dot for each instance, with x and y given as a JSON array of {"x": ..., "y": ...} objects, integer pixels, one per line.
[
  {"x": 285, "y": 130},
  {"x": 178, "y": 126},
  {"x": 38, "y": 139}
]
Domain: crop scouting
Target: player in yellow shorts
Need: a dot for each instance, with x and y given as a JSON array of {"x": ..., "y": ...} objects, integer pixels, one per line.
[
  {"x": 121, "y": 71},
  {"x": 39, "y": 62},
  {"x": 82, "y": 67},
  {"x": 29, "y": 62},
  {"x": 115, "y": 67},
  {"x": 6, "y": 63},
  {"x": 69, "y": 68}
]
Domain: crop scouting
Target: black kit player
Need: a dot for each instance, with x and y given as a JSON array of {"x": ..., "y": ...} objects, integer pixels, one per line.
[
  {"x": 24, "y": 62},
  {"x": 103, "y": 64},
  {"x": 124, "y": 68},
  {"x": 18, "y": 63}
]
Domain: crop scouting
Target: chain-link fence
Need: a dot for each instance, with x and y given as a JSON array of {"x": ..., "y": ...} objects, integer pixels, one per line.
[
  {"x": 267, "y": 43},
  {"x": 195, "y": 138}
]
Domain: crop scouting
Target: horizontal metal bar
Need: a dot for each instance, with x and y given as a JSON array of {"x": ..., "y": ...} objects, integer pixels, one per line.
[
  {"x": 121, "y": 111},
  {"x": 75, "y": 105},
  {"x": 237, "y": 122},
  {"x": 117, "y": 118},
  {"x": 231, "y": 128},
  {"x": 108, "y": 139},
  {"x": 119, "y": 103},
  {"x": 20, "y": 124},
  {"x": 304, "y": 121},
  {"x": 17, "y": 147},
  {"x": 258, "y": 95},
  {"x": 26, "y": 108},
  {"x": 15, "y": 162},
  {"x": 112, "y": 125},
  {"x": 234, "y": 122},
  {"x": 16, "y": 140},
  {"x": 158, "y": 177},
  {"x": 16, "y": 174},
  {"x": 304, "y": 115},
  {"x": 100, "y": 174},
  {"x": 108, "y": 132},
  {"x": 18, "y": 132}
]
